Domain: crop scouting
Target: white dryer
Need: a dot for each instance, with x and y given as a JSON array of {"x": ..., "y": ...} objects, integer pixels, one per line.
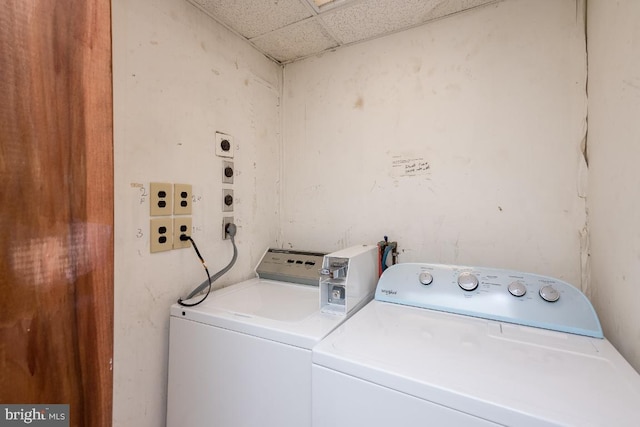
[
  {"x": 242, "y": 358},
  {"x": 462, "y": 346}
]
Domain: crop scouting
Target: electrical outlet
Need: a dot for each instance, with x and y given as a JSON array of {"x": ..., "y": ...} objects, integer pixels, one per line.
[
  {"x": 224, "y": 145},
  {"x": 160, "y": 198},
  {"x": 161, "y": 234},
  {"x": 227, "y": 172},
  {"x": 227, "y": 200},
  {"x": 182, "y": 199},
  {"x": 225, "y": 221},
  {"x": 181, "y": 226}
]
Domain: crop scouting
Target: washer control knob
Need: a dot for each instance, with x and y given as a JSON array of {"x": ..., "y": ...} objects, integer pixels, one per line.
[
  {"x": 467, "y": 281},
  {"x": 425, "y": 278},
  {"x": 517, "y": 289},
  {"x": 549, "y": 293}
]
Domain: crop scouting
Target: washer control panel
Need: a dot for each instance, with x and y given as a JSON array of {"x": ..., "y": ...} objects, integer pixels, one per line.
[
  {"x": 489, "y": 293},
  {"x": 291, "y": 266}
]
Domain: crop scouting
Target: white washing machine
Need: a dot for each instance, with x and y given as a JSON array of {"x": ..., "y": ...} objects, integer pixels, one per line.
[
  {"x": 242, "y": 358},
  {"x": 460, "y": 346}
]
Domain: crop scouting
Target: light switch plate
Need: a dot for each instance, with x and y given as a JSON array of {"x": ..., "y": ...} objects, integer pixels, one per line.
[
  {"x": 182, "y": 199},
  {"x": 161, "y": 234},
  {"x": 160, "y": 198}
]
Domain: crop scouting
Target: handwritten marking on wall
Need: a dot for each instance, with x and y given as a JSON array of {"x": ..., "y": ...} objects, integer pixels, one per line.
[
  {"x": 143, "y": 191},
  {"x": 409, "y": 165}
]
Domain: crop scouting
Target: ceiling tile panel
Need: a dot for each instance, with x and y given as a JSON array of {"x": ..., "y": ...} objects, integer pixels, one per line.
[
  {"x": 251, "y": 18},
  {"x": 295, "y": 41},
  {"x": 373, "y": 18},
  {"x": 449, "y": 7}
]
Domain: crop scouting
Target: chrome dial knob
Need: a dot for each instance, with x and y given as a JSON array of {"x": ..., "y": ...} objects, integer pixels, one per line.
[
  {"x": 517, "y": 289},
  {"x": 549, "y": 293},
  {"x": 467, "y": 281},
  {"x": 425, "y": 278}
]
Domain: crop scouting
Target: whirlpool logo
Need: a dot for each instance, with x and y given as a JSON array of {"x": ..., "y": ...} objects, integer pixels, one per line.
[
  {"x": 388, "y": 291},
  {"x": 39, "y": 415}
]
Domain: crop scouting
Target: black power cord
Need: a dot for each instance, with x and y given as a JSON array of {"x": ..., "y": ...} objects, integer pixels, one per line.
[
  {"x": 231, "y": 232},
  {"x": 184, "y": 237}
]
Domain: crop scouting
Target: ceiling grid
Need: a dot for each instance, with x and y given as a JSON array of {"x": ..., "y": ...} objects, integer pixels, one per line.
[{"x": 289, "y": 30}]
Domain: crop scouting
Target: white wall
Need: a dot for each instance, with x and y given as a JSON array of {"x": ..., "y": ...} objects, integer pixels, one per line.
[
  {"x": 614, "y": 175},
  {"x": 493, "y": 99},
  {"x": 179, "y": 77}
]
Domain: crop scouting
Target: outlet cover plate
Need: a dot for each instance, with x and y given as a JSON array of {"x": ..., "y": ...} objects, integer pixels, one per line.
[
  {"x": 227, "y": 192},
  {"x": 182, "y": 199},
  {"x": 161, "y": 234},
  {"x": 226, "y": 164},
  {"x": 160, "y": 200},
  {"x": 224, "y": 141},
  {"x": 226, "y": 220},
  {"x": 181, "y": 225}
]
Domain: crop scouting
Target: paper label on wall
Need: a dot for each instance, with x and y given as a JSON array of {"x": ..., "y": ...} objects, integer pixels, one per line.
[{"x": 409, "y": 165}]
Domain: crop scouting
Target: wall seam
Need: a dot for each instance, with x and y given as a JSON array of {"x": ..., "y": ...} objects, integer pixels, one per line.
[
  {"x": 585, "y": 247},
  {"x": 281, "y": 163}
]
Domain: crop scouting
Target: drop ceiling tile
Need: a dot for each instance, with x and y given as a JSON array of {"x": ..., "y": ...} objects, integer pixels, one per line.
[
  {"x": 373, "y": 18},
  {"x": 454, "y": 6},
  {"x": 295, "y": 41},
  {"x": 251, "y": 18},
  {"x": 322, "y": 2}
]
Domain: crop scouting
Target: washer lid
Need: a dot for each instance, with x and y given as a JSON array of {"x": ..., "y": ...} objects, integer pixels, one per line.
[
  {"x": 279, "y": 311},
  {"x": 506, "y": 373}
]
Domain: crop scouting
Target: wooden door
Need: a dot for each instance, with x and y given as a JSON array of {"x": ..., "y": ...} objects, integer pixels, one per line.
[{"x": 56, "y": 199}]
